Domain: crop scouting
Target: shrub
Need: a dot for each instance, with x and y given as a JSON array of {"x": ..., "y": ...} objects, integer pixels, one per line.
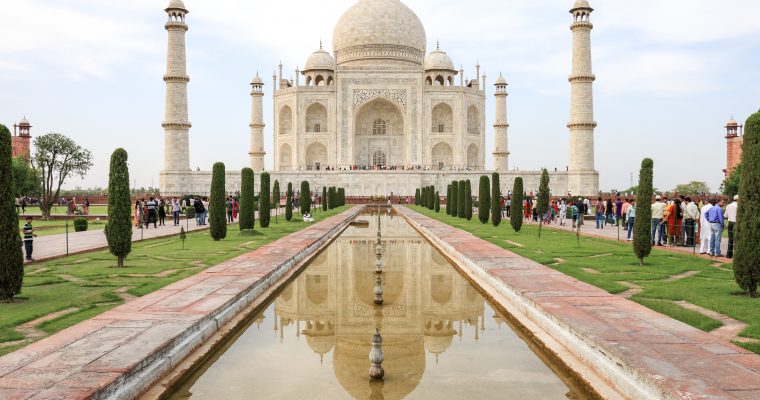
[
  {"x": 119, "y": 228},
  {"x": 247, "y": 207},
  {"x": 484, "y": 199},
  {"x": 542, "y": 205},
  {"x": 516, "y": 208},
  {"x": 342, "y": 192},
  {"x": 448, "y": 199},
  {"x": 217, "y": 208},
  {"x": 265, "y": 198},
  {"x": 437, "y": 202},
  {"x": 289, "y": 203},
  {"x": 468, "y": 200},
  {"x": 11, "y": 257},
  {"x": 80, "y": 225},
  {"x": 324, "y": 198},
  {"x": 331, "y": 198},
  {"x": 495, "y": 199},
  {"x": 642, "y": 236},
  {"x": 276, "y": 197},
  {"x": 454, "y": 198},
  {"x": 460, "y": 199},
  {"x": 305, "y": 197},
  {"x": 431, "y": 198},
  {"x": 747, "y": 259},
  {"x": 190, "y": 212},
  {"x": 417, "y": 197}
]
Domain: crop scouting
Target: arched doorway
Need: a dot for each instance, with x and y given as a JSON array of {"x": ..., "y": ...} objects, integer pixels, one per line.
[
  {"x": 473, "y": 157},
  {"x": 286, "y": 158},
  {"x": 286, "y": 120},
  {"x": 379, "y": 131},
  {"x": 316, "y": 118},
  {"x": 442, "y": 156},
  {"x": 316, "y": 156}
]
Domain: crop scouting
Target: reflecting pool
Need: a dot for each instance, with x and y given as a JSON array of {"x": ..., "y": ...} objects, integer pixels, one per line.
[{"x": 441, "y": 338}]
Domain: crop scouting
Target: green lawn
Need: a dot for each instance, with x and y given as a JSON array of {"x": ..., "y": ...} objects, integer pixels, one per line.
[
  {"x": 61, "y": 210},
  {"x": 606, "y": 263},
  {"x": 54, "y": 227},
  {"x": 90, "y": 283}
]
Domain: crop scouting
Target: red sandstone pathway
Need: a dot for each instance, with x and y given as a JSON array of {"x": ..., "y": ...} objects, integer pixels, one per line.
[
  {"x": 679, "y": 360},
  {"x": 134, "y": 343}
]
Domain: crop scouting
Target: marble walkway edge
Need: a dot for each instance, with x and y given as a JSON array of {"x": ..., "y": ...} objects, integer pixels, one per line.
[
  {"x": 641, "y": 353},
  {"x": 122, "y": 352}
]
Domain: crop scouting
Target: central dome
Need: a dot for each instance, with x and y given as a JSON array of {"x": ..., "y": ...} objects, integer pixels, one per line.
[{"x": 379, "y": 29}]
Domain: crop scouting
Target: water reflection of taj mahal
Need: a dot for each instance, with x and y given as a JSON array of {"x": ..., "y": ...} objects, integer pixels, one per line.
[{"x": 424, "y": 307}]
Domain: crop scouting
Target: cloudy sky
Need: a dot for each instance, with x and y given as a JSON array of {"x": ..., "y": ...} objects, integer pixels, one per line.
[{"x": 669, "y": 75}]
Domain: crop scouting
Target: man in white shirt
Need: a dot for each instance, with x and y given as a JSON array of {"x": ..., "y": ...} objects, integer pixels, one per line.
[
  {"x": 690, "y": 216},
  {"x": 658, "y": 210},
  {"x": 730, "y": 215},
  {"x": 562, "y": 211}
]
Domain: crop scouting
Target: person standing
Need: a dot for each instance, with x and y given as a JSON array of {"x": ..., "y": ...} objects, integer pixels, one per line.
[
  {"x": 138, "y": 214},
  {"x": 175, "y": 211},
  {"x": 228, "y": 206},
  {"x": 204, "y": 210},
  {"x": 704, "y": 229},
  {"x": 562, "y": 212},
  {"x": 658, "y": 210},
  {"x": 86, "y": 206},
  {"x": 18, "y": 205},
  {"x": 715, "y": 218},
  {"x": 731, "y": 217},
  {"x": 600, "y": 213},
  {"x": 508, "y": 206},
  {"x": 609, "y": 212},
  {"x": 630, "y": 217},
  {"x": 690, "y": 215},
  {"x": 236, "y": 207},
  {"x": 575, "y": 214},
  {"x": 618, "y": 211},
  {"x": 151, "y": 206},
  {"x": 198, "y": 207},
  {"x": 626, "y": 206},
  {"x": 161, "y": 212},
  {"x": 29, "y": 236}
]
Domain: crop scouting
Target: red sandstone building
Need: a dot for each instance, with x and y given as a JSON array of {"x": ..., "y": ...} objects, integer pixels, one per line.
[
  {"x": 21, "y": 139},
  {"x": 734, "y": 139}
]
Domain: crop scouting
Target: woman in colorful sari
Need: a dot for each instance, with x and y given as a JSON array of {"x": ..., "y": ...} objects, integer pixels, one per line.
[{"x": 138, "y": 214}]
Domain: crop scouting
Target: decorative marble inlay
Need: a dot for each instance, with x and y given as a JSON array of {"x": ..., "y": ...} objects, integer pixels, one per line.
[{"x": 362, "y": 96}]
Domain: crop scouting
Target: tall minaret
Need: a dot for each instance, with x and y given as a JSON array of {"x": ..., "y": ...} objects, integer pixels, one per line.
[
  {"x": 257, "y": 152},
  {"x": 582, "y": 178},
  {"x": 501, "y": 143},
  {"x": 176, "y": 125}
]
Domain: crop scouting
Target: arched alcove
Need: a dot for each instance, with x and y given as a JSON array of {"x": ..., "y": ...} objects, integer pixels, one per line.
[
  {"x": 316, "y": 118},
  {"x": 286, "y": 158},
  {"x": 442, "y": 156},
  {"x": 473, "y": 156},
  {"x": 473, "y": 120},
  {"x": 316, "y": 156},
  {"x": 442, "y": 118},
  {"x": 286, "y": 120},
  {"x": 379, "y": 126}
]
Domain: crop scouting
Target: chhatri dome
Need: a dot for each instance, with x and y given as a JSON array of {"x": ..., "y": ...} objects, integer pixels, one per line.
[
  {"x": 374, "y": 29},
  {"x": 320, "y": 60},
  {"x": 439, "y": 60}
]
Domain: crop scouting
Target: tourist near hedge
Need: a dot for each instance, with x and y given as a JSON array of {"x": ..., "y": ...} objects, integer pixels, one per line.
[
  {"x": 324, "y": 198},
  {"x": 247, "y": 209},
  {"x": 484, "y": 199},
  {"x": 118, "y": 229},
  {"x": 468, "y": 200},
  {"x": 642, "y": 236},
  {"x": 289, "y": 203},
  {"x": 11, "y": 256},
  {"x": 516, "y": 206},
  {"x": 276, "y": 197},
  {"x": 217, "y": 207},
  {"x": 454, "y": 198},
  {"x": 495, "y": 200},
  {"x": 448, "y": 199},
  {"x": 305, "y": 198},
  {"x": 265, "y": 205},
  {"x": 747, "y": 251},
  {"x": 542, "y": 204}
]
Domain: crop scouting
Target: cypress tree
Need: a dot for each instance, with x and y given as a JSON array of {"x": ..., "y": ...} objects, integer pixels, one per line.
[
  {"x": 119, "y": 227},
  {"x": 454, "y": 198},
  {"x": 542, "y": 205},
  {"x": 516, "y": 208},
  {"x": 448, "y": 199},
  {"x": 437, "y": 202},
  {"x": 642, "y": 236},
  {"x": 217, "y": 206},
  {"x": 424, "y": 197},
  {"x": 289, "y": 202},
  {"x": 247, "y": 208},
  {"x": 417, "y": 197},
  {"x": 747, "y": 252},
  {"x": 431, "y": 198},
  {"x": 495, "y": 200},
  {"x": 342, "y": 192},
  {"x": 276, "y": 197},
  {"x": 324, "y": 198},
  {"x": 468, "y": 200},
  {"x": 305, "y": 198},
  {"x": 11, "y": 256},
  {"x": 331, "y": 198},
  {"x": 460, "y": 199},
  {"x": 484, "y": 199},
  {"x": 265, "y": 206}
]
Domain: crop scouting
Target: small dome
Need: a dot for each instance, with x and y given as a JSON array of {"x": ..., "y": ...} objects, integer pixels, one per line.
[
  {"x": 176, "y": 5},
  {"x": 24, "y": 122},
  {"x": 732, "y": 122},
  {"x": 320, "y": 60},
  {"x": 257, "y": 80},
  {"x": 581, "y": 4},
  {"x": 501, "y": 80},
  {"x": 438, "y": 59}
]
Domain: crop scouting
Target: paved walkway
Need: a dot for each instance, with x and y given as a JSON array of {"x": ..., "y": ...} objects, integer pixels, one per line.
[
  {"x": 610, "y": 333},
  {"x": 121, "y": 352}
]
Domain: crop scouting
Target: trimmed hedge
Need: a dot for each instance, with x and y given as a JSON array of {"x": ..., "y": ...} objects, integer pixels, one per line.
[
  {"x": 289, "y": 205},
  {"x": 642, "y": 236},
  {"x": 495, "y": 199},
  {"x": 80, "y": 225},
  {"x": 516, "y": 208},
  {"x": 265, "y": 198},
  {"x": 747, "y": 260},
  {"x": 484, "y": 199},
  {"x": 468, "y": 200},
  {"x": 217, "y": 207},
  {"x": 118, "y": 230},
  {"x": 247, "y": 208}
]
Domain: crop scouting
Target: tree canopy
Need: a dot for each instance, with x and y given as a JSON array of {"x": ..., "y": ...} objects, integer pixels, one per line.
[
  {"x": 56, "y": 158},
  {"x": 692, "y": 188}
]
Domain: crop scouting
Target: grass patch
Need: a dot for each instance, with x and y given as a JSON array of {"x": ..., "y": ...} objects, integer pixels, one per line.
[
  {"x": 92, "y": 280},
  {"x": 711, "y": 288}
]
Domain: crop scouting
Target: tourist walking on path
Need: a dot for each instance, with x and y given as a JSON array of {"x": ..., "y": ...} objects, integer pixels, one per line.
[
  {"x": 624, "y": 212},
  {"x": 704, "y": 229},
  {"x": 731, "y": 217},
  {"x": 86, "y": 206},
  {"x": 600, "y": 213},
  {"x": 138, "y": 214},
  {"x": 228, "y": 206},
  {"x": 175, "y": 211},
  {"x": 618, "y": 211},
  {"x": 152, "y": 217},
  {"x": 609, "y": 212},
  {"x": 690, "y": 216},
  {"x": 715, "y": 218},
  {"x": 658, "y": 210},
  {"x": 161, "y": 212},
  {"x": 562, "y": 212},
  {"x": 18, "y": 205},
  {"x": 236, "y": 207},
  {"x": 29, "y": 236},
  {"x": 630, "y": 214}
]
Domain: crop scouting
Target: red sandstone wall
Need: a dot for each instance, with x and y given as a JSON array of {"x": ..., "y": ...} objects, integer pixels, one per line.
[{"x": 734, "y": 153}]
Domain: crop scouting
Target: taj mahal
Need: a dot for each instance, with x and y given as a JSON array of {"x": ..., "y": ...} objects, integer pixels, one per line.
[{"x": 381, "y": 114}]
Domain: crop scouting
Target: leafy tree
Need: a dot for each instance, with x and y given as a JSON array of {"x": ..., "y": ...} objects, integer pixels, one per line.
[
  {"x": 516, "y": 208},
  {"x": 247, "y": 208},
  {"x": 468, "y": 200},
  {"x": 417, "y": 197},
  {"x": 542, "y": 205},
  {"x": 276, "y": 197},
  {"x": 460, "y": 199},
  {"x": 118, "y": 230},
  {"x": 265, "y": 199},
  {"x": 495, "y": 199},
  {"x": 56, "y": 157},
  {"x": 305, "y": 197},
  {"x": 747, "y": 252},
  {"x": 484, "y": 199},
  {"x": 11, "y": 257},
  {"x": 692, "y": 188},
  {"x": 642, "y": 237},
  {"x": 26, "y": 179},
  {"x": 455, "y": 198},
  {"x": 324, "y": 198},
  {"x": 448, "y": 199},
  {"x": 437, "y": 202},
  {"x": 217, "y": 208},
  {"x": 730, "y": 186},
  {"x": 289, "y": 202}
]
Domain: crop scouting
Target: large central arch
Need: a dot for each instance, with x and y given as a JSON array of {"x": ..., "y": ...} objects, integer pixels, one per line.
[{"x": 379, "y": 128}]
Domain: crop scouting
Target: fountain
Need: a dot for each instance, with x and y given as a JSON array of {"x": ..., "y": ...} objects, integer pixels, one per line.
[{"x": 376, "y": 357}]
